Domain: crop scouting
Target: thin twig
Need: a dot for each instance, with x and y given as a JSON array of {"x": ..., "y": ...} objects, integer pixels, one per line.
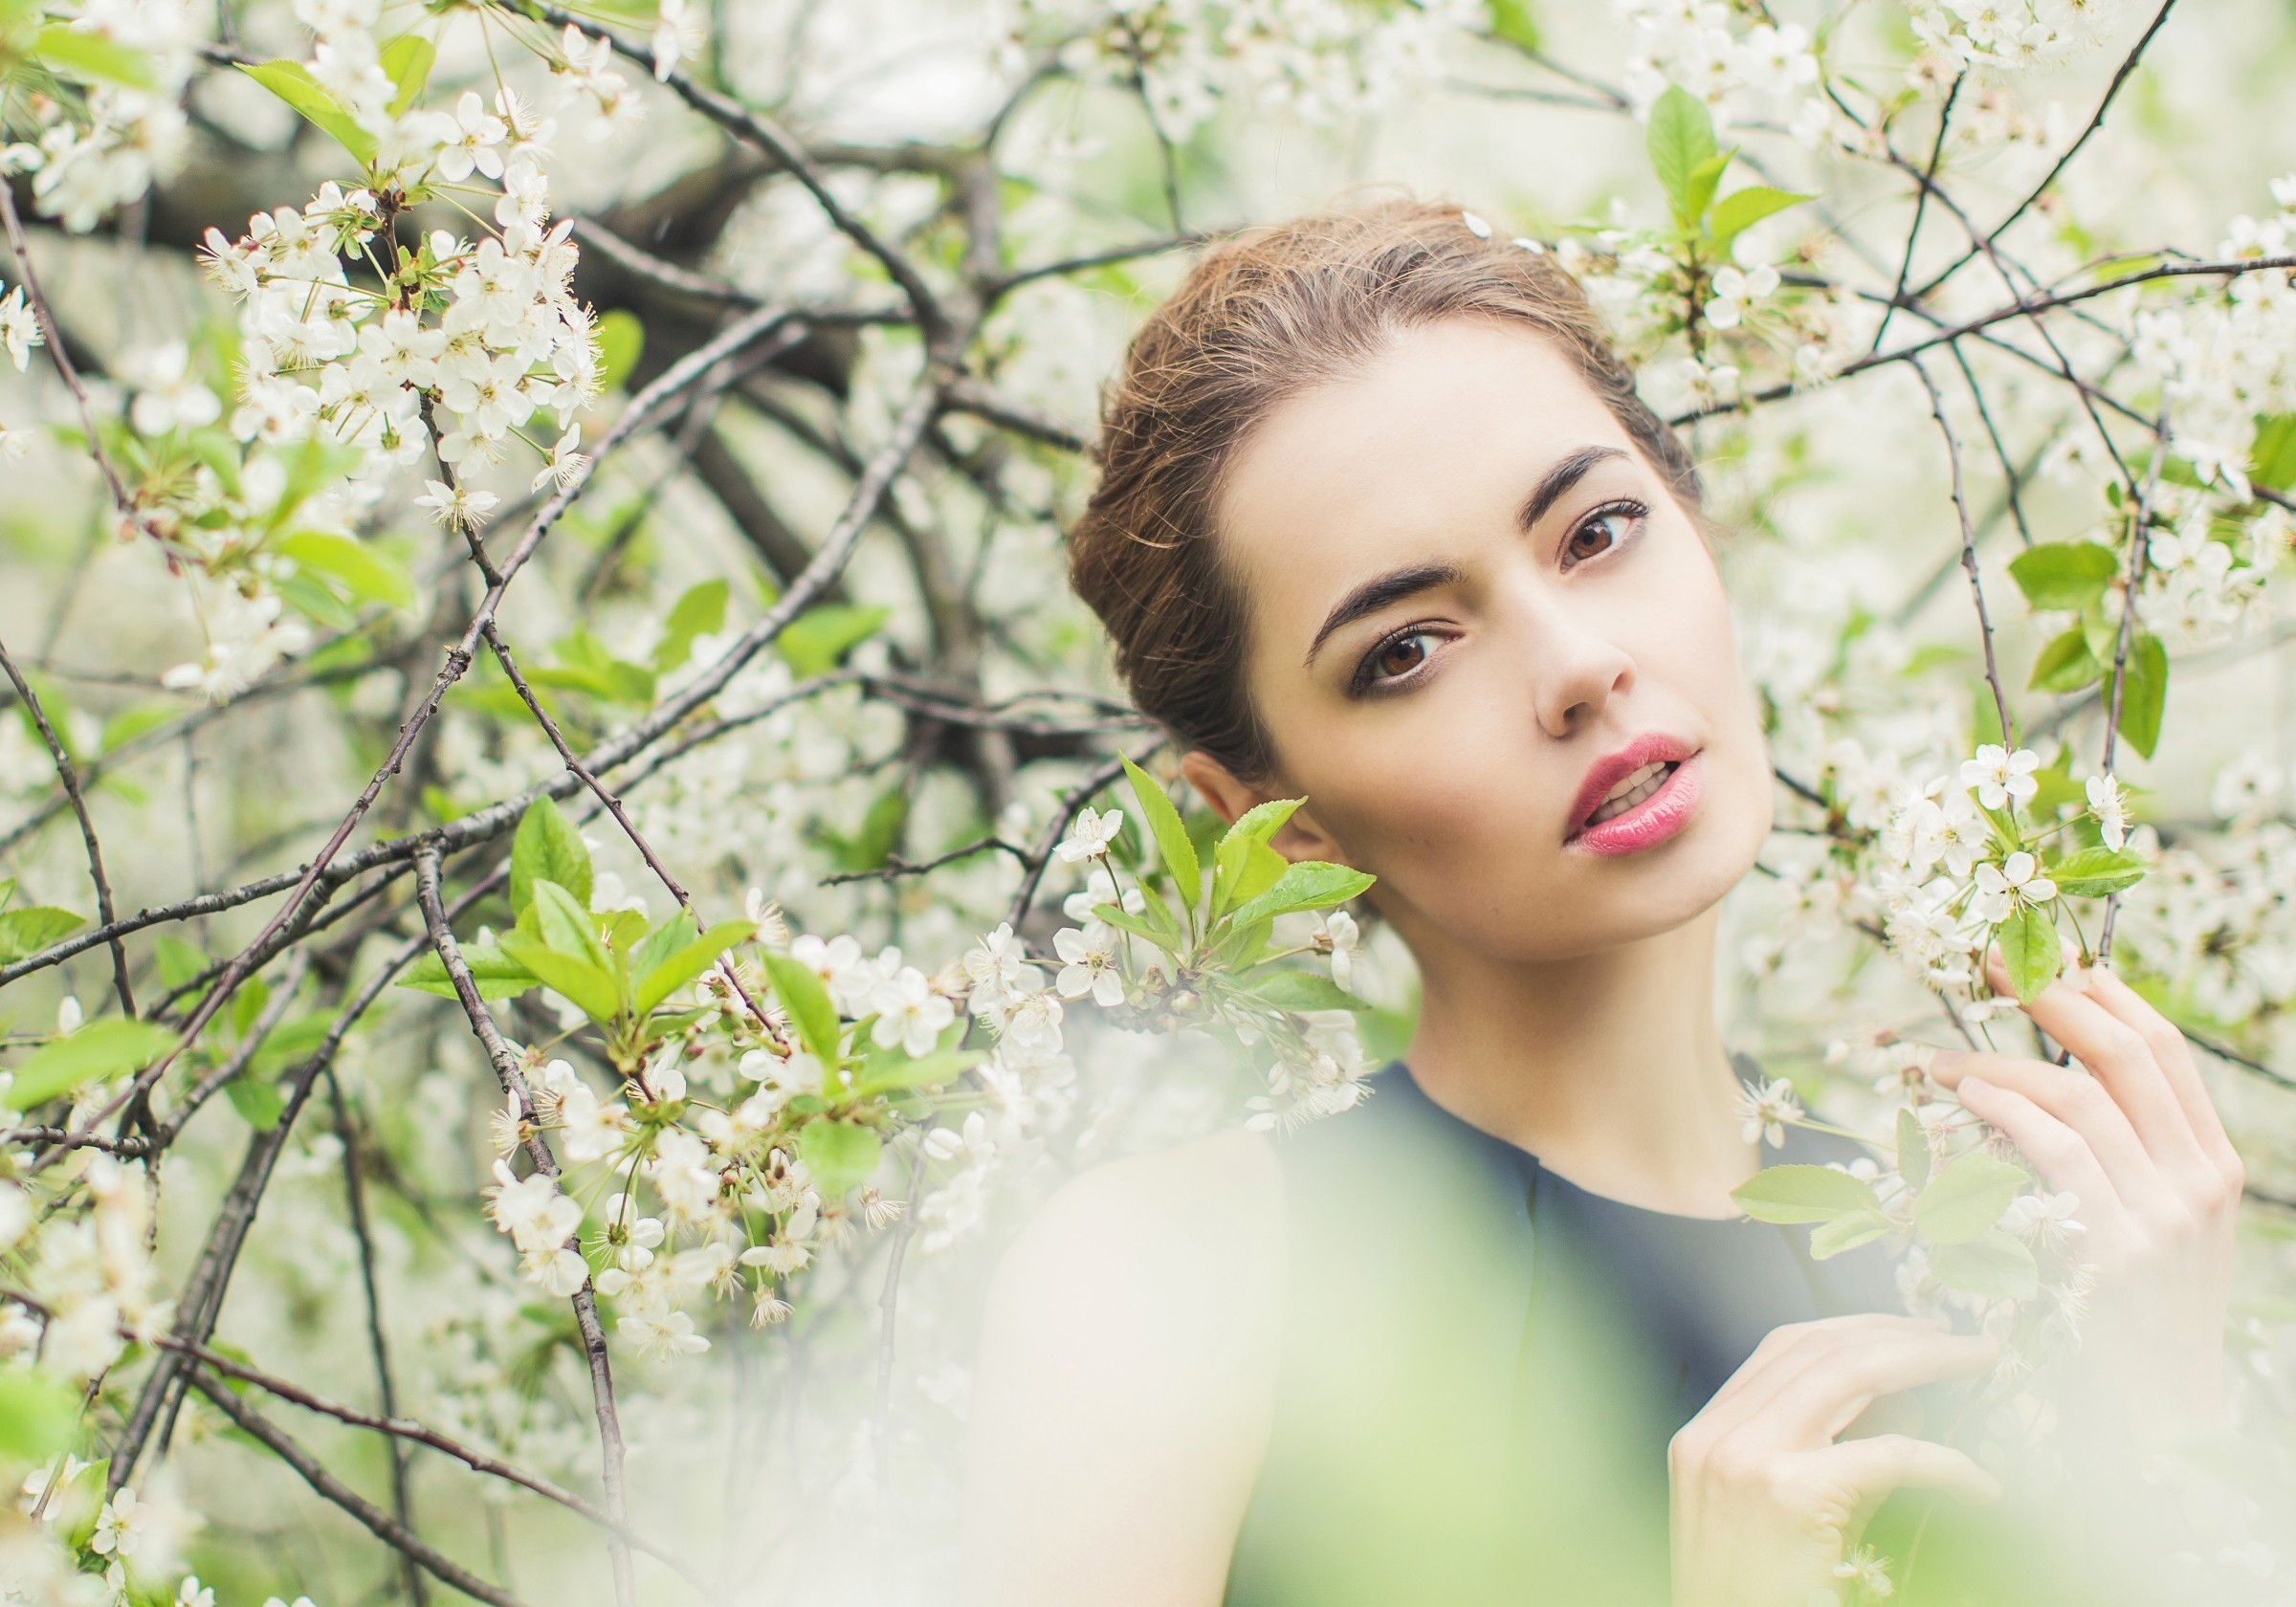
[{"x": 1969, "y": 551}]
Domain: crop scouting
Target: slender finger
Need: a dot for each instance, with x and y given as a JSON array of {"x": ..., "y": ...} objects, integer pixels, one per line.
[
  {"x": 1835, "y": 1384},
  {"x": 2067, "y": 1163},
  {"x": 2081, "y": 1103},
  {"x": 1786, "y": 1351},
  {"x": 2123, "y": 1062},
  {"x": 1873, "y": 1468},
  {"x": 2174, "y": 1055}
]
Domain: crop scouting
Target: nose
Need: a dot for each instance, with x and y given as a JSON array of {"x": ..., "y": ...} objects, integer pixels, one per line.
[{"x": 1576, "y": 670}]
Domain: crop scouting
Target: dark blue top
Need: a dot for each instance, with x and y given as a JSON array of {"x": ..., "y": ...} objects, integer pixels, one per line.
[{"x": 1483, "y": 1364}]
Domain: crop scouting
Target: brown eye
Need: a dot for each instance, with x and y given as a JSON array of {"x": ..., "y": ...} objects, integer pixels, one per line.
[
  {"x": 1608, "y": 528},
  {"x": 1401, "y": 656}
]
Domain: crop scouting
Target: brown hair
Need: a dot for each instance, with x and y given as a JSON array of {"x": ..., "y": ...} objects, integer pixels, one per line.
[{"x": 1270, "y": 314}]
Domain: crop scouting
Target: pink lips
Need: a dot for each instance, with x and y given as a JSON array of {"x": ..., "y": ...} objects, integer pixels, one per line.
[{"x": 1655, "y": 818}]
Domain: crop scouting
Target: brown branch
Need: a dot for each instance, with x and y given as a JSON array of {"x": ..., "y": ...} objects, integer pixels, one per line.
[
  {"x": 1969, "y": 551},
  {"x": 1040, "y": 856},
  {"x": 381, "y": 1524},
  {"x": 69, "y": 776},
  {"x": 52, "y": 335}
]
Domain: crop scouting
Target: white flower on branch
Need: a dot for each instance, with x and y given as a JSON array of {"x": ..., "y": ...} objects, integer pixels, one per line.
[
  {"x": 1090, "y": 963},
  {"x": 1089, "y": 834},
  {"x": 2014, "y": 884},
  {"x": 910, "y": 1014},
  {"x": 1999, "y": 777},
  {"x": 456, "y": 506},
  {"x": 2108, "y": 808},
  {"x": 1767, "y": 1109},
  {"x": 19, "y": 328}
]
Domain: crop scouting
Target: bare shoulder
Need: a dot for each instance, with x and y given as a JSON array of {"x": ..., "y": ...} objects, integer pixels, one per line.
[
  {"x": 1156, "y": 1258},
  {"x": 1126, "y": 1380}
]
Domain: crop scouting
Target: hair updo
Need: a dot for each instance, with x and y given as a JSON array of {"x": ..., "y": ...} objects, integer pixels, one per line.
[{"x": 1266, "y": 315}]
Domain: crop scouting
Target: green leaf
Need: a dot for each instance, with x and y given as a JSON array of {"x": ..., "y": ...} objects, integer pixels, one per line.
[
  {"x": 291, "y": 82},
  {"x": 97, "y": 1052},
  {"x": 698, "y": 611},
  {"x": 2064, "y": 574},
  {"x": 2065, "y": 664},
  {"x": 1846, "y": 1232},
  {"x": 1303, "y": 991},
  {"x": 933, "y": 1070},
  {"x": 820, "y": 636},
  {"x": 1742, "y": 209},
  {"x": 1985, "y": 715},
  {"x": 1308, "y": 885},
  {"x": 2030, "y": 950},
  {"x": 29, "y": 929},
  {"x": 2147, "y": 693},
  {"x": 664, "y": 940},
  {"x": 589, "y": 987},
  {"x": 257, "y": 1099},
  {"x": 548, "y": 848},
  {"x": 496, "y": 975},
  {"x": 1992, "y": 1267},
  {"x": 69, "y": 53},
  {"x": 1163, "y": 933},
  {"x": 1804, "y": 1193},
  {"x": 38, "y": 1415},
  {"x": 366, "y": 574},
  {"x": 2094, "y": 872},
  {"x": 406, "y": 63},
  {"x": 1968, "y": 1196},
  {"x": 566, "y": 926},
  {"x": 621, "y": 341},
  {"x": 1681, "y": 136},
  {"x": 1511, "y": 20},
  {"x": 807, "y": 1001},
  {"x": 248, "y": 1004},
  {"x": 666, "y": 978},
  {"x": 1236, "y": 864},
  {"x": 840, "y": 1154},
  {"x": 179, "y": 961},
  {"x": 2272, "y": 459},
  {"x": 1912, "y": 1150},
  {"x": 1171, "y": 834},
  {"x": 1705, "y": 179}
]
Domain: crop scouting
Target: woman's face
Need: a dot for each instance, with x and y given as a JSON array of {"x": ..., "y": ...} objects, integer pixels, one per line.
[{"x": 1474, "y": 606}]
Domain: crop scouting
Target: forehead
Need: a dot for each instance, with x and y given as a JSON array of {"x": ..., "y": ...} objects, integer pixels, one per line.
[{"x": 1433, "y": 445}]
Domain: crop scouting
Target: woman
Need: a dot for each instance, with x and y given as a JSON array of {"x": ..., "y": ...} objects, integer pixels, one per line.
[{"x": 1384, "y": 524}]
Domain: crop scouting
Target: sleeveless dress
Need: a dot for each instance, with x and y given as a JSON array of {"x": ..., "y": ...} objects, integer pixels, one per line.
[{"x": 1483, "y": 1364}]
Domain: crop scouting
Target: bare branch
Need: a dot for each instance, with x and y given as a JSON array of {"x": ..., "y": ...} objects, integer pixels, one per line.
[{"x": 1969, "y": 551}]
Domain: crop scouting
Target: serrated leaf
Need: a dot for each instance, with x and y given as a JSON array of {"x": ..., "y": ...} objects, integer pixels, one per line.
[
  {"x": 406, "y": 63},
  {"x": 1681, "y": 136},
  {"x": 496, "y": 975},
  {"x": 2094, "y": 872},
  {"x": 590, "y": 988},
  {"x": 1804, "y": 1193},
  {"x": 840, "y": 1154},
  {"x": 1846, "y": 1232},
  {"x": 807, "y": 1001},
  {"x": 97, "y": 1052},
  {"x": 1966, "y": 1198},
  {"x": 2030, "y": 950},
  {"x": 669, "y": 975},
  {"x": 2147, "y": 693},
  {"x": 1171, "y": 834},
  {"x": 1310, "y": 885},
  {"x": 257, "y": 1099},
  {"x": 1303, "y": 991},
  {"x": 1233, "y": 859},
  {"x": 1163, "y": 933},
  {"x": 291, "y": 82},
  {"x": 369, "y": 575},
  {"x": 548, "y": 848},
  {"x": 179, "y": 961},
  {"x": 1992, "y": 1267},
  {"x": 1912, "y": 1150},
  {"x": 2064, "y": 574},
  {"x": 698, "y": 611},
  {"x": 820, "y": 636},
  {"x": 933, "y": 1070},
  {"x": 29, "y": 929},
  {"x": 567, "y": 927},
  {"x": 1705, "y": 179},
  {"x": 1742, "y": 209},
  {"x": 2065, "y": 664}
]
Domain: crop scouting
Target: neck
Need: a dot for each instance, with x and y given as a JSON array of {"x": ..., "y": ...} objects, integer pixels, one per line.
[{"x": 1607, "y": 1066}]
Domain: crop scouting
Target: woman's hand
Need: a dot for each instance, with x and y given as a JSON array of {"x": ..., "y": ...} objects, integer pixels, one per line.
[
  {"x": 2137, "y": 1139},
  {"x": 1765, "y": 1500}
]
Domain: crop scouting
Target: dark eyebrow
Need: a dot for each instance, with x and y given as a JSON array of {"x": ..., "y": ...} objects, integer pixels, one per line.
[
  {"x": 1556, "y": 482},
  {"x": 1376, "y": 594}
]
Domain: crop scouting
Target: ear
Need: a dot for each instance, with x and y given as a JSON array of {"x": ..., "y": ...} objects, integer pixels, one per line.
[{"x": 1229, "y": 798}]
